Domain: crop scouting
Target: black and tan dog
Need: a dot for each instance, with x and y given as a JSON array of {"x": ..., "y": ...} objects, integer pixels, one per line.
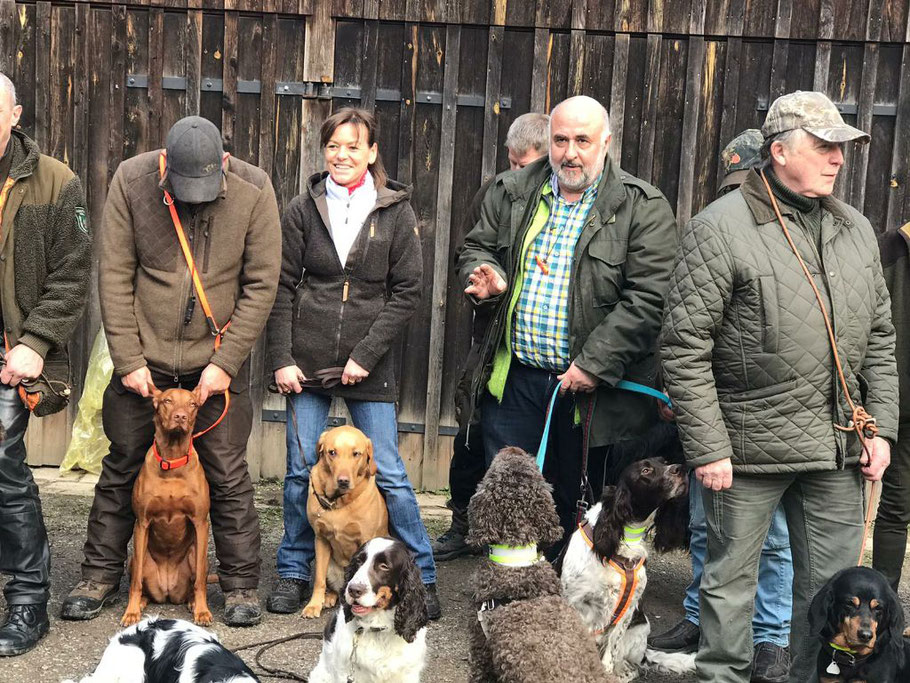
[{"x": 859, "y": 621}]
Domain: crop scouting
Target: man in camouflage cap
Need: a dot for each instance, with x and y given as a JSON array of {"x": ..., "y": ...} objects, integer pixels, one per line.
[
  {"x": 773, "y": 599},
  {"x": 749, "y": 367}
]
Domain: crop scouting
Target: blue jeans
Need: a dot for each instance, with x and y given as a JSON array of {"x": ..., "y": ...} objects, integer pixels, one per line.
[
  {"x": 774, "y": 597},
  {"x": 378, "y": 421}
]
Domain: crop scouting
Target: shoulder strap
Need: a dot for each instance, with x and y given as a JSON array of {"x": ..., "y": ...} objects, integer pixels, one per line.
[{"x": 217, "y": 332}]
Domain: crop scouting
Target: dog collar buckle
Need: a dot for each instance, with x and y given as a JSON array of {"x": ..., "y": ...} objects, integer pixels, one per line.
[{"x": 168, "y": 465}]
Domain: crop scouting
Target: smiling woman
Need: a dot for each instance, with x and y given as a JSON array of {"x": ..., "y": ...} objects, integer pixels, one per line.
[{"x": 350, "y": 281}]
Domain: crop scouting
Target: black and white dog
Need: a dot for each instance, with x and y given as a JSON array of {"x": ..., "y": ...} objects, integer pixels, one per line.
[
  {"x": 379, "y": 633},
  {"x": 167, "y": 651}
]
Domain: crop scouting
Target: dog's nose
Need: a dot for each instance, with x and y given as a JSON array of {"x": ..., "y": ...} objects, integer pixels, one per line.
[
  {"x": 864, "y": 634},
  {"x": 344, "y": 482},
  {"x": 355, "y": 590},
  {"x": 180, "y": 415}
]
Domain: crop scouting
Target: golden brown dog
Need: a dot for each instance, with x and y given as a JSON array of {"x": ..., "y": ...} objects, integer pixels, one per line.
[
  {"x": 171, "y": 504},
  {"x": 344, "y": 507}
]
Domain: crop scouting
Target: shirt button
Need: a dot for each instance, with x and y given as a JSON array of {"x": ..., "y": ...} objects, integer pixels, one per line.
[
  {"x": 546, "y": 307},
  {"x": 831, "y": 274}
]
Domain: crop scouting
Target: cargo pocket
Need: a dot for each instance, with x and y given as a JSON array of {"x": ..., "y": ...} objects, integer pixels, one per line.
[
  {"x": 608, "y": 265},
  {"x": 770, "y": 319}
]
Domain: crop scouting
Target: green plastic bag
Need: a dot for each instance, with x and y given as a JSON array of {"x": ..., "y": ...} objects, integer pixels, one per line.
[{"x": 89, "y": 444}]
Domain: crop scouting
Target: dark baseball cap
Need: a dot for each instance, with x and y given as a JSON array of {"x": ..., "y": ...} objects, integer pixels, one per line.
[
  {"x": 742, "y": 153},
  {"x": 194, "y": 153}
]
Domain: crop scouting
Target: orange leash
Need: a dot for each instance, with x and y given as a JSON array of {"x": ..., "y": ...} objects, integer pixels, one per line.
[
  {"x": 862, "y": 422},
  {"x": 217, "y": 332}
]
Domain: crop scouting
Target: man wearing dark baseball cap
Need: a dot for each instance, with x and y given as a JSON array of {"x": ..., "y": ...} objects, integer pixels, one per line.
[
  {"x": 762, "y": 412},
  {"x": 161, "y": 337},
  {"x": 194, "y": 160}
]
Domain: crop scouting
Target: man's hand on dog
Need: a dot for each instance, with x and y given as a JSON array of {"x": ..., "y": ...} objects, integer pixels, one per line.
[
  {"x": 880, "y": 452},
  {"x": 288, "y": 379},
  {"x": 485, "y": 282},
  {"x": 717, "y": 475},
  {"x": 21, "y": 363},
  {"x": 213, "y": 380},
  {"x": 577, "y": 380},
  {"x": 353, "y": 373},
  {"x": 140, "y": 382}
]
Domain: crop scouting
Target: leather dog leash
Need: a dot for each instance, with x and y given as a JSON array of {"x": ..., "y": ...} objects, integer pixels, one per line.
[
  {"x": 217, "y": 332},
  {"x": 862, "y": 422}
]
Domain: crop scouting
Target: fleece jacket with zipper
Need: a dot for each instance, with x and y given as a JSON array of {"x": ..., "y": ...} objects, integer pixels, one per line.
[
  {"x": 145, "y": 284},
  {"x": 326, "y": 313}
]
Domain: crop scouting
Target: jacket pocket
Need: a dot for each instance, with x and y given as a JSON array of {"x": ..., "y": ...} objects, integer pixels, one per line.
[
  {"x": 760, "y": 392},
  {"x": 608, "y": 258},
  {"x": 770, "y": 318}
]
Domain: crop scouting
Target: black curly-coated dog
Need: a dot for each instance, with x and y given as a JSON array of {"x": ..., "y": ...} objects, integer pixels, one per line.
[{"x": 859, "y": 621}]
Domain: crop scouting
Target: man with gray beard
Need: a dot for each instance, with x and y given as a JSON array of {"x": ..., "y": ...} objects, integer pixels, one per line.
[{"x": 573, "y": 256}]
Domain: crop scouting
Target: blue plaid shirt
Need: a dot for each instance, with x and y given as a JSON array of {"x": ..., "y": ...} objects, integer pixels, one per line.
[{"x": 540, "y": 327}]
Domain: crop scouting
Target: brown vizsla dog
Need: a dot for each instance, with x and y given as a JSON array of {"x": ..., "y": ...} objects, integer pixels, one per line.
[
  {"x": 344, "y": 507},
  {"x": 171, "y": 504}
]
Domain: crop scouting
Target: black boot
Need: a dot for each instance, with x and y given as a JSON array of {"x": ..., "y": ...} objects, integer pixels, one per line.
[
  {"x": 452, "y": 543},
  {"x": 434, "y": 611},
  {"x": 25, "y": 626}
]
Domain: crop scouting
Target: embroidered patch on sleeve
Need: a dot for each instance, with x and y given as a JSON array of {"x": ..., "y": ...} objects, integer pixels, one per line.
[{"x": 81, "y": 219}]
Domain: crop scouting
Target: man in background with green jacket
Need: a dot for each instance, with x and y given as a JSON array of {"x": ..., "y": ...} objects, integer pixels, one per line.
[
  {"x": 746, "y": 357},
  {"x": 574, "y": 255}
]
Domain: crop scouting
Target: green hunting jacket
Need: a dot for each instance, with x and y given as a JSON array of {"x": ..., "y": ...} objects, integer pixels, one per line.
[
  {"x": 619, "y": 278},
  {"x": 745, "y": 351},
  {"x": 45, "y": 255}
]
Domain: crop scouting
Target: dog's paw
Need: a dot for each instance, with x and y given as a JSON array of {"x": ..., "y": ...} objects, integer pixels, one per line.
[
  {"x": 202, "y": 617},
  {"x": 131, "y": 617},
  {"x": 312, "y": 610},
  {"x": 330, "y": 599}
]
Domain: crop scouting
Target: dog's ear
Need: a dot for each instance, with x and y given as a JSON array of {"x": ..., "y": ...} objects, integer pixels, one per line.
[
  {"x": 891, "y": 628},
  {"x": 411, "y": 611},
  {"x": 370, "y": 459},
  {"x": 671, "y": 524},
  {"x": 156, "y": 398},
  {"x": 820, "y": 612},
  {"x": 615, "y": 513},
  {"x": 320, "y": 445},
  {"x": 197, "y": 395}
]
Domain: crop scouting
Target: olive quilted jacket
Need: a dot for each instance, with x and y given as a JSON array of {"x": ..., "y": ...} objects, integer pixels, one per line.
[{"x": 745, "y": 353}]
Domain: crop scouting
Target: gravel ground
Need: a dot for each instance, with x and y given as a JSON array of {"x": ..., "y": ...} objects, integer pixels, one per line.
[{"x": 72, "y": 649}]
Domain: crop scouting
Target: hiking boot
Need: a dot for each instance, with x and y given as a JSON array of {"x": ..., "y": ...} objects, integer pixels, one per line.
[
  {"x": 25, "y": 626},
  {"x": 241, "y": 607},
  {"x": 88, "y": 598},
  {"x": 452, "y": 543},
  {"x": 434, "y": 611},
  {"x": 287, "y": 596},
  {"x": 681, "y": 638},
  {"x": 770, "y": 663}
]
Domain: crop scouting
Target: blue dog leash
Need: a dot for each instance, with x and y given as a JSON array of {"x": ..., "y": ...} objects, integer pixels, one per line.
[{"x": 622, "y": 384}]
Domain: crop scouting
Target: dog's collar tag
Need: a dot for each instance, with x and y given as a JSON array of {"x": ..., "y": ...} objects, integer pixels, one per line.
[{"x": 833, "y": 669}]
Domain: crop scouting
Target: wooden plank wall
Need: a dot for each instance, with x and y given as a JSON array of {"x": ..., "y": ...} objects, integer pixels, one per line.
[{"x": 446, "y": 79}]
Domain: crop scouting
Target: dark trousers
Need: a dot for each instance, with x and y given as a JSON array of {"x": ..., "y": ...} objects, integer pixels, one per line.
[
  {"x": 889, "y": 541},
  {"x": 467, "y": 467},
  {"x": 519, "y": 421},
  {"x": 129, "y": 424},
  {"x": 24, "y": 553}
]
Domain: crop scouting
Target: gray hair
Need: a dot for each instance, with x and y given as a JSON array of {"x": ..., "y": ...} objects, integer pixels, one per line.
[
  {"x": 589, "y": 101},
  {"x": 7, "y": 84},
  {"x": 787, "y": 138},
  {"x": 528, "y": 131}
]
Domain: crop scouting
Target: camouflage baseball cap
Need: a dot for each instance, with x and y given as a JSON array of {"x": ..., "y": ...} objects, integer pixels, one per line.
[
  {"x": 814, "y": 113},
  {"x": 742, "y": 153}
]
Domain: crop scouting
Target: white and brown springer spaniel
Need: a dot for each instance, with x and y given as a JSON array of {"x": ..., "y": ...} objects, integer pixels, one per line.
[
  {"x": 603, "y": 572},
  {"x": 379, "y": 634}
]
